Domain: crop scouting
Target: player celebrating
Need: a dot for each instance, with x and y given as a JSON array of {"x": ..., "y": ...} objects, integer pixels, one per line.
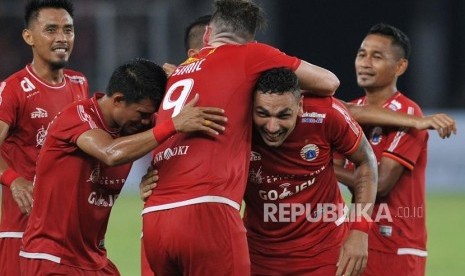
[
  {"x": 203, "y": 179},
  {"x": 397, "y": 245},
  {"x": 74, "y": 188},
  {"x": 29, "y": 100}
]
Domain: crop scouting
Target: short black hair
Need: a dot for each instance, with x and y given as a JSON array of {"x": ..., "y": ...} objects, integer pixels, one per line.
[
  {"x": 399, "y": 38},
  {"x": 137, "y": 80},
  {"x": 238, "y": 17},
  {"x": 194, "y": 32},
  {"x": 33, "y": 7},
  {"x": 278, "y": 81}
]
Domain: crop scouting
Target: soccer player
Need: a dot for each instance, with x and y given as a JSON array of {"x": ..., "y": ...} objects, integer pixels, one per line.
[
  {"x": 29, "y": 100},
  {"x": 397, "y": 244},
  {"x": 193, "y": 39},
  {"x": 202, "y": 180},
  {"x": 295, "y": 213},
  {"x": 77, "y": 183}
]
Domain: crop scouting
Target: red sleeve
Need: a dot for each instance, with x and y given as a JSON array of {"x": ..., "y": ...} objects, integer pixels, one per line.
[
  {"x": 405, "y": 146},
  {"x": 9, "y": 103},
  {"x": 344, "y": 132},
  {"x": 73, "y": 122}
]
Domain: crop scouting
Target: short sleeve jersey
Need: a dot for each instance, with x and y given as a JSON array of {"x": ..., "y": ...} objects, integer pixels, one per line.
[
  {"x": 197, "y": 166},
  {"x": 27, "y": 105},
  {"x": 73, "y": 193},
  {"x": 402, "y": 225},
  {"x": 292, "y": 196}
]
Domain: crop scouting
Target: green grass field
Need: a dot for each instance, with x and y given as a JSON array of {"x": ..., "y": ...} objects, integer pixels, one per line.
[{"x": 446, "y": 238}]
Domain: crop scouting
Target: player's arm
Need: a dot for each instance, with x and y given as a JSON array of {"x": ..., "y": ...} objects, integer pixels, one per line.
[
  {"x": 21, "y": 189},
  {"x": 354, "y": 251},
  {"x": 99, "y": 144},
  {"x": 317, "y": 80},
  {"x": 375, "y": 115}
]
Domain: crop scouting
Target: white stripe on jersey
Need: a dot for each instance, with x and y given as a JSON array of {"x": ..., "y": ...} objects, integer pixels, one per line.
[
  {"x": 412, "y": 251},
  {"x": 42, "y": 256},
  {"x": 14, "y": 235},
  {"x": 85, "y": 117},
  {"x": 197, "y": 200},
  {"x": 348, "y": 119}
]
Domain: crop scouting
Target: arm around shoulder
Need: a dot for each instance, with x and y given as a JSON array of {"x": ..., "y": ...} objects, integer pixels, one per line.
[{"x": 317, "y": 80}]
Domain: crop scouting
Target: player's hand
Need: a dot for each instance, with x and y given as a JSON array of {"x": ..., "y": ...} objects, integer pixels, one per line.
[
  {"x": 148, "y": 183},
  {"x": 21, "y": 190},
  {"x": 209, "y": 120},
  {"x": 169, "y": 69},
  {"x": 441, "y": 122},
  {"x": 354, "y": 254}
]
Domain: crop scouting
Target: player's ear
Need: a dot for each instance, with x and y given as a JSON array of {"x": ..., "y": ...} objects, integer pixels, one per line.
[
  {"x": 206, "y": 35},
  {"x": 402, "y": 65},
  {"x": 27, "y": 36},
  {"x": 118, "y": 99}
]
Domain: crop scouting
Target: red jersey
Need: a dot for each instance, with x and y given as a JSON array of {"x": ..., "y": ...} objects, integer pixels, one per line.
[
  {"x": 292, "y": 196},
  {"x": 27, "y": 105},
  {"x": 196, "y": 168},
  {"x": 73, "y": 193},
  {"x": 406, "y": 233}
]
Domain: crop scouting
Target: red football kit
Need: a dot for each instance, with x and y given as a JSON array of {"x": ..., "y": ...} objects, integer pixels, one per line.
[
  {"x": 27, "y": 105},
  {"x": 197, "y": 168},
  {"x": 397, "y": 241},
  {"x": 72, "y": 204},
  {"x": 295, "y": 212}
]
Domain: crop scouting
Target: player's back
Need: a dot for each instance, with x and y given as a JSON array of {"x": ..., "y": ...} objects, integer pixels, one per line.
[{"x": 196, "y": 165}]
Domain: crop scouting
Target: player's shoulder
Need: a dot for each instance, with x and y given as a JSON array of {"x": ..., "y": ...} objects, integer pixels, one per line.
[
  {"x": 75, "y": 76},
  {"x": 401, "y": 102},
  {"x": 316, "y": 102},
  {"x": 15, "y": 78}
]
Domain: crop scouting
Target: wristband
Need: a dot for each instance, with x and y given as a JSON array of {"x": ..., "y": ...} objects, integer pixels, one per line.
[
  {"x": 164, "y": 131},
  {"x": 8, "y": 176},
  {"x": 361, "y": 224}
]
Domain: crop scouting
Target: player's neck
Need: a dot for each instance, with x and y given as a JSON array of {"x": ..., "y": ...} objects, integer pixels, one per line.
[
  {"x": 378, "y": 96},
  {"x": 46, "y": 73},
  {"x": 105, "y": 104}
]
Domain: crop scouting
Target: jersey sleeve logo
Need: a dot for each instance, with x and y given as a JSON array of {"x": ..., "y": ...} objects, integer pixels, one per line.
[{"x": 27, "y": 85}]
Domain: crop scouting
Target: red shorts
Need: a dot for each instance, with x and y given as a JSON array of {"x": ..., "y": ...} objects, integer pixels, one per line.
[
  {"x": 386, "y": 264},
  {"x": 294, "y": 262},
  {"x": 34, "y": 267},
  {"x": 144, "y": 265},
  {"x": 9, "y": 256},
  {"x": 201, "y": 239}
]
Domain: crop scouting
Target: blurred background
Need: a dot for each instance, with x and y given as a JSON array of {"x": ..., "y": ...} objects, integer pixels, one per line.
[{"x": 324, "y": 32}]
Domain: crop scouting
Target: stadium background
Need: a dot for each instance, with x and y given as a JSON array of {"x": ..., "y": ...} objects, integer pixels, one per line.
[{"x": 325, "y": 32}]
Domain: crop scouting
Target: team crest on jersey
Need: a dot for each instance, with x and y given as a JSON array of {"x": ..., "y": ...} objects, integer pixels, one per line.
[
  {"x": 39, "y": 113},
  {"x": 255, "y": 156},
  {"x": 255, "y": 176},
  {"x": 309, "y": 152},
  {"x": 2, "y": 86},
  {"x": 376, "y": 135},
  {"x": 40, "y": 136}
]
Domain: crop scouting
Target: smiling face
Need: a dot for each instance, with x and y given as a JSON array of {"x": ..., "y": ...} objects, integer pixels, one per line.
[
  {"x": 275, "y": 116},
  {"x": 51, "y": 36},
  {"x": 378, "y": 63}
]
